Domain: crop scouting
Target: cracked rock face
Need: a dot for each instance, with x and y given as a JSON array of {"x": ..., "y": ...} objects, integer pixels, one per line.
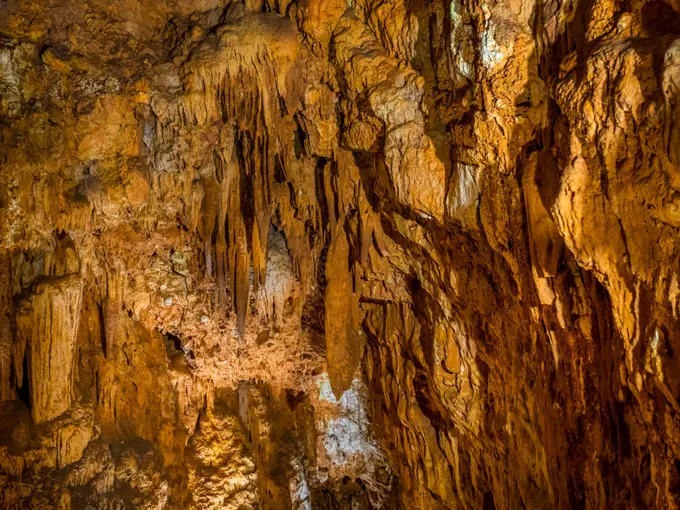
[{"x": 305, "y": 254}]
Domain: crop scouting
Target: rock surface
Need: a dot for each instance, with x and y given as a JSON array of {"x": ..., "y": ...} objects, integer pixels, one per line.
[{"x": 348, "y": 255}]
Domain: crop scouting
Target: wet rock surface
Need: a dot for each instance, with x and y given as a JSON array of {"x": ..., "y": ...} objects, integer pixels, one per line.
[{"x": 345, "y": 255}]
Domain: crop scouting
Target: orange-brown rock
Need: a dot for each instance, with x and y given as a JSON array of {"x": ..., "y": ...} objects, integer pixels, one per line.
[{"x": 325, "y": 254}]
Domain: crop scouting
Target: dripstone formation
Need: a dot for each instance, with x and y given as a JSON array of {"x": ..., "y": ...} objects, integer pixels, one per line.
[{"x": 339, "y": 254}]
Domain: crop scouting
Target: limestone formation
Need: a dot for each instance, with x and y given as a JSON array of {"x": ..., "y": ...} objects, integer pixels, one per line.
[
  {"x": 301, "y": 254},
  {"x": 47, "y": 325}
]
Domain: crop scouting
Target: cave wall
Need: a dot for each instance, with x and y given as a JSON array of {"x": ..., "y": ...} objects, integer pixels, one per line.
[{"x": 339, "y": 254}]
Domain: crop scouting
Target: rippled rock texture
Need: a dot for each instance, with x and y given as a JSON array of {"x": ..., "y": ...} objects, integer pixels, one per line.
[{"x": 340, "y": 254}]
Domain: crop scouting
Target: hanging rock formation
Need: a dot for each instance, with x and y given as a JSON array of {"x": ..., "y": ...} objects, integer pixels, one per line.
[
  {"x": 342, "y": 254},
  {"x": 47, "y": 325}
]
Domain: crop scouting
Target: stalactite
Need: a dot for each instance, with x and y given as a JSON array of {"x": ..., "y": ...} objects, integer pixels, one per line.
[
  {"x": 344, "y": 347},
  {"x": 48, "y": 323},
  {"x": 7, "y": 386}
]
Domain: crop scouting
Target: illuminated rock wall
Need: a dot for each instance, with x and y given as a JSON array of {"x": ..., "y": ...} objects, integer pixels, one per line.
[{"x": 342, "y": 254}]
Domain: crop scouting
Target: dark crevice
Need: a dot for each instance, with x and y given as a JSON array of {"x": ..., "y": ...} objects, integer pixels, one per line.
[
  {"x": 23, "y": 392},
  {"x": 102, "y": 329}
]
